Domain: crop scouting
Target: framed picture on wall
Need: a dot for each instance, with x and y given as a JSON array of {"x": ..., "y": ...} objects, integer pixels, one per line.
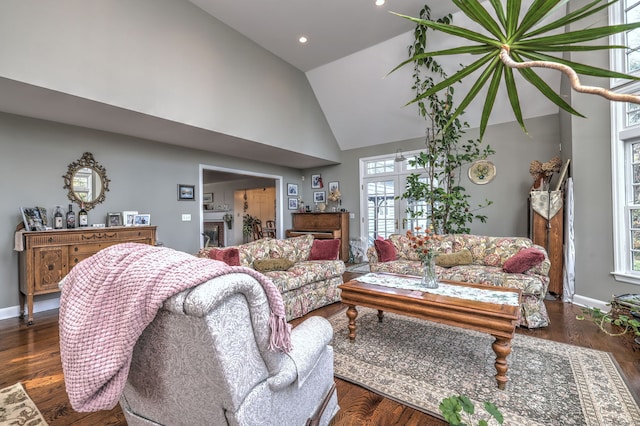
[
  {"x": 292, "y": 190},
  {"x": 186, "y": 192},
  {"x": 333, "y": 186},
  {"x": 319, "y": 197},
  {"x": 316, "y": 181},
  {"x": 293, "y": 204},
  {"x": 207, "y": 198},
  {"x": 128, "y": 216}
]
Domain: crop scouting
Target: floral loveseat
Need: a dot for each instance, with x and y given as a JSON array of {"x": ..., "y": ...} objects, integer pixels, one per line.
[
  {"x": 488, "y": 256},
  {"x": 306, "y": 284}
]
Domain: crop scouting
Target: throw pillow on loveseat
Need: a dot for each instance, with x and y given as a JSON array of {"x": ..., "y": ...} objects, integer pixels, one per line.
[
  {"x": 489, "y": 255},
  {"x": 306, "y": 285}
]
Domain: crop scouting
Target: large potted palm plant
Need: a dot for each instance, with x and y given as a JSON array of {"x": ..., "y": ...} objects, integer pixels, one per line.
[{"x": 522, "y": 39}]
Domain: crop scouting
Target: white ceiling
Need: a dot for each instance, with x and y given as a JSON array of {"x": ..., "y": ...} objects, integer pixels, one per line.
[
  {"x": 353, "y": 45},
  {"x": 335, "y": 28}
]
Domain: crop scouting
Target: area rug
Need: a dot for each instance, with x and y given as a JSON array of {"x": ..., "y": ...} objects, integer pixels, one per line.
[
  {"x": 419, "y": 363},
  {"x": 359, "y": 267},
  {"x": 16, "y": 408}
]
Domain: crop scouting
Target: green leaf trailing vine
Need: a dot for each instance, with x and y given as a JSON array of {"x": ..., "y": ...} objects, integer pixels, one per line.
[
  {"x": 603, "y": 320},
  {"x": 448, "y": 209},
  {"x": 455, "y": 409}
]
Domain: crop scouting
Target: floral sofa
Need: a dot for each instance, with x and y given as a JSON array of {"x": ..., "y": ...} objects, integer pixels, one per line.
[
  {"x": 488, "y": 256},
  {"x": 307, "y": 284}
]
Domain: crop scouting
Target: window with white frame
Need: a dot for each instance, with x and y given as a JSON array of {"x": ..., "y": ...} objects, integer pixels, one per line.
[
  {"x": 626, "y": 148},
  {"x": 383, "y": 181}
]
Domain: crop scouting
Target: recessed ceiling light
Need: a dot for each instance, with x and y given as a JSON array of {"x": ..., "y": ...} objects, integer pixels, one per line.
[
  {"x": 379, "y": 2},
  {"x": 302, "y": 39}
]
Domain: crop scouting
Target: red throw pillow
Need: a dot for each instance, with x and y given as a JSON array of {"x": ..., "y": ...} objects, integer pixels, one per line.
[
  {"x": 386, "y": 250},
  {"x": 230, "y": 256},
  {"x": 524, "y": 260},
  {"x": 325, "y": 249}
]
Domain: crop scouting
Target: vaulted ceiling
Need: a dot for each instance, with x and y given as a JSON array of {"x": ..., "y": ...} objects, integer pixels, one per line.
[{"x": 352, "y": 46}]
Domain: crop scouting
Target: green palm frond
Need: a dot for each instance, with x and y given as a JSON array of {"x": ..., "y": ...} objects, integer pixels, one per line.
[{"x": 524, "y": 35}]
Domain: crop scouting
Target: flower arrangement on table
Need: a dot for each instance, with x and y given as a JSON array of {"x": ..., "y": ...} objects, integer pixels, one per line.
[{"x": 422, "y": 243}]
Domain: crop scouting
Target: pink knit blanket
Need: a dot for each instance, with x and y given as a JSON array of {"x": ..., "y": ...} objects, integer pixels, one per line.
[{"x": 109, "y": 299}]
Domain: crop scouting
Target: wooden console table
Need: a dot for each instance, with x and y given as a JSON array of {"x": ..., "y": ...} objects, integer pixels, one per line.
[{"x": 49, "y": 255}]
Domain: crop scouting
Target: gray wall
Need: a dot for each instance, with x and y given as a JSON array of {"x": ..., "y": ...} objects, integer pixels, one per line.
[
  {"x": 509, "y": 190},
  {"x": 590, "y": 140},
  {"x": 144, "y": 177},
  {"x": 164, "y": 58}
]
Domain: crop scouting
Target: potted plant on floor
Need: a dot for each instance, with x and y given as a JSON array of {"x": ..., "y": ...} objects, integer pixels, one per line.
[{"x": 437, "y": 184}]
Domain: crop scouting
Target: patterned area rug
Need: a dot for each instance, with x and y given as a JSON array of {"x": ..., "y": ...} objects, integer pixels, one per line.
[
  {"x": 16, "y": 408},
  {"x": 418, "y": 363}
]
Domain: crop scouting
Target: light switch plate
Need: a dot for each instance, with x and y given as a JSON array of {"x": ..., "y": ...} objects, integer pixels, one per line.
[{"x": 186, "y": 217}]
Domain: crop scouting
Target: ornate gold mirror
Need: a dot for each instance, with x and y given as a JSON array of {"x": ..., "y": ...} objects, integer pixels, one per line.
[{"x": 86, "y": 181}]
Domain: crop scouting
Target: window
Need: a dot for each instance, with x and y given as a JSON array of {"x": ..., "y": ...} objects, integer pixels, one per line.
[
  {"x": 626, "y": 149},
  {"x": 383, "y": 180}
]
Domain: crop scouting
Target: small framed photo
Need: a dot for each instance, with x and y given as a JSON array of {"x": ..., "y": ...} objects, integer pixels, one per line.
[
  {"x": 32, "y": 218},
  {"x": 292, "y": 190},
  {"x": 114, "y": 219},
  {"x": 127, "y": 217},
  {"x": 207, "y": 198},
  {"x": 142, "y": 220},
  {"x": 293, "y": 204},
  {"x": 316, "y": 181},
  {"x": 319, "y": 197},
  {"x": 333, "y": 186},
  {"x": 186, "y": 192}
]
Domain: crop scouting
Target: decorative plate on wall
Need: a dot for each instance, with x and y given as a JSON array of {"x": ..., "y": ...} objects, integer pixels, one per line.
[{"x": 481, "y": 172}]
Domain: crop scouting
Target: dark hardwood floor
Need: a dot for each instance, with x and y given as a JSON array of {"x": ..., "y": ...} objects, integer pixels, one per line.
[{"x": 31, "y": 355}]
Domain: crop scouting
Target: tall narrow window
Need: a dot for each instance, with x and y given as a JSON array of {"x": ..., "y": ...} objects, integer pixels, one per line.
[{"x": 626, "y": 148}]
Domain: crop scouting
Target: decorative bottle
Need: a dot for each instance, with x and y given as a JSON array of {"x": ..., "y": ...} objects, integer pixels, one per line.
[
  {"x": 71, "y": 218},
  {"x": 58, "y": 219},
  {"x": 83, "y": 217}
]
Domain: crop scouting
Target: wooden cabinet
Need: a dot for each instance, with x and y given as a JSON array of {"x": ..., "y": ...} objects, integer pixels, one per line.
[
  {"x": 549, "y": 233},
  {"x": 323, "y": 225},
  {"x": 49, "y": 255}
]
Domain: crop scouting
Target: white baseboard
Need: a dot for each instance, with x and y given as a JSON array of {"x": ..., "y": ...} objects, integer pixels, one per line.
[
  {"x": 591, "y": 303},
  {"x": 38, "y": 306}
]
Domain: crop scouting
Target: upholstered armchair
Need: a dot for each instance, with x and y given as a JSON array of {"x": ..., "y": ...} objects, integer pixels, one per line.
[{"x": 205, "y": 360}]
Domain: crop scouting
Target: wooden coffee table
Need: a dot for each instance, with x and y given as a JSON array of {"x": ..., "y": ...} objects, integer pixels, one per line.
[{"x": 498, "y": 320}]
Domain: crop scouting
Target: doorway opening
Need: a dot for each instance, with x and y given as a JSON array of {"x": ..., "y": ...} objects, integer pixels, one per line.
[{"x": 223, "y": 189}]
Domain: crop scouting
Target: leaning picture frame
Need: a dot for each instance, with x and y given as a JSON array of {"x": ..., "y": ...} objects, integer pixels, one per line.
[
  {"x": 186, "y": 192},
  {"x": 114, "y": 219},
  {"x": 32, "y": 219},
  {"x": 142, "y": 219},
  {"x": 127, "y": 217}
]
